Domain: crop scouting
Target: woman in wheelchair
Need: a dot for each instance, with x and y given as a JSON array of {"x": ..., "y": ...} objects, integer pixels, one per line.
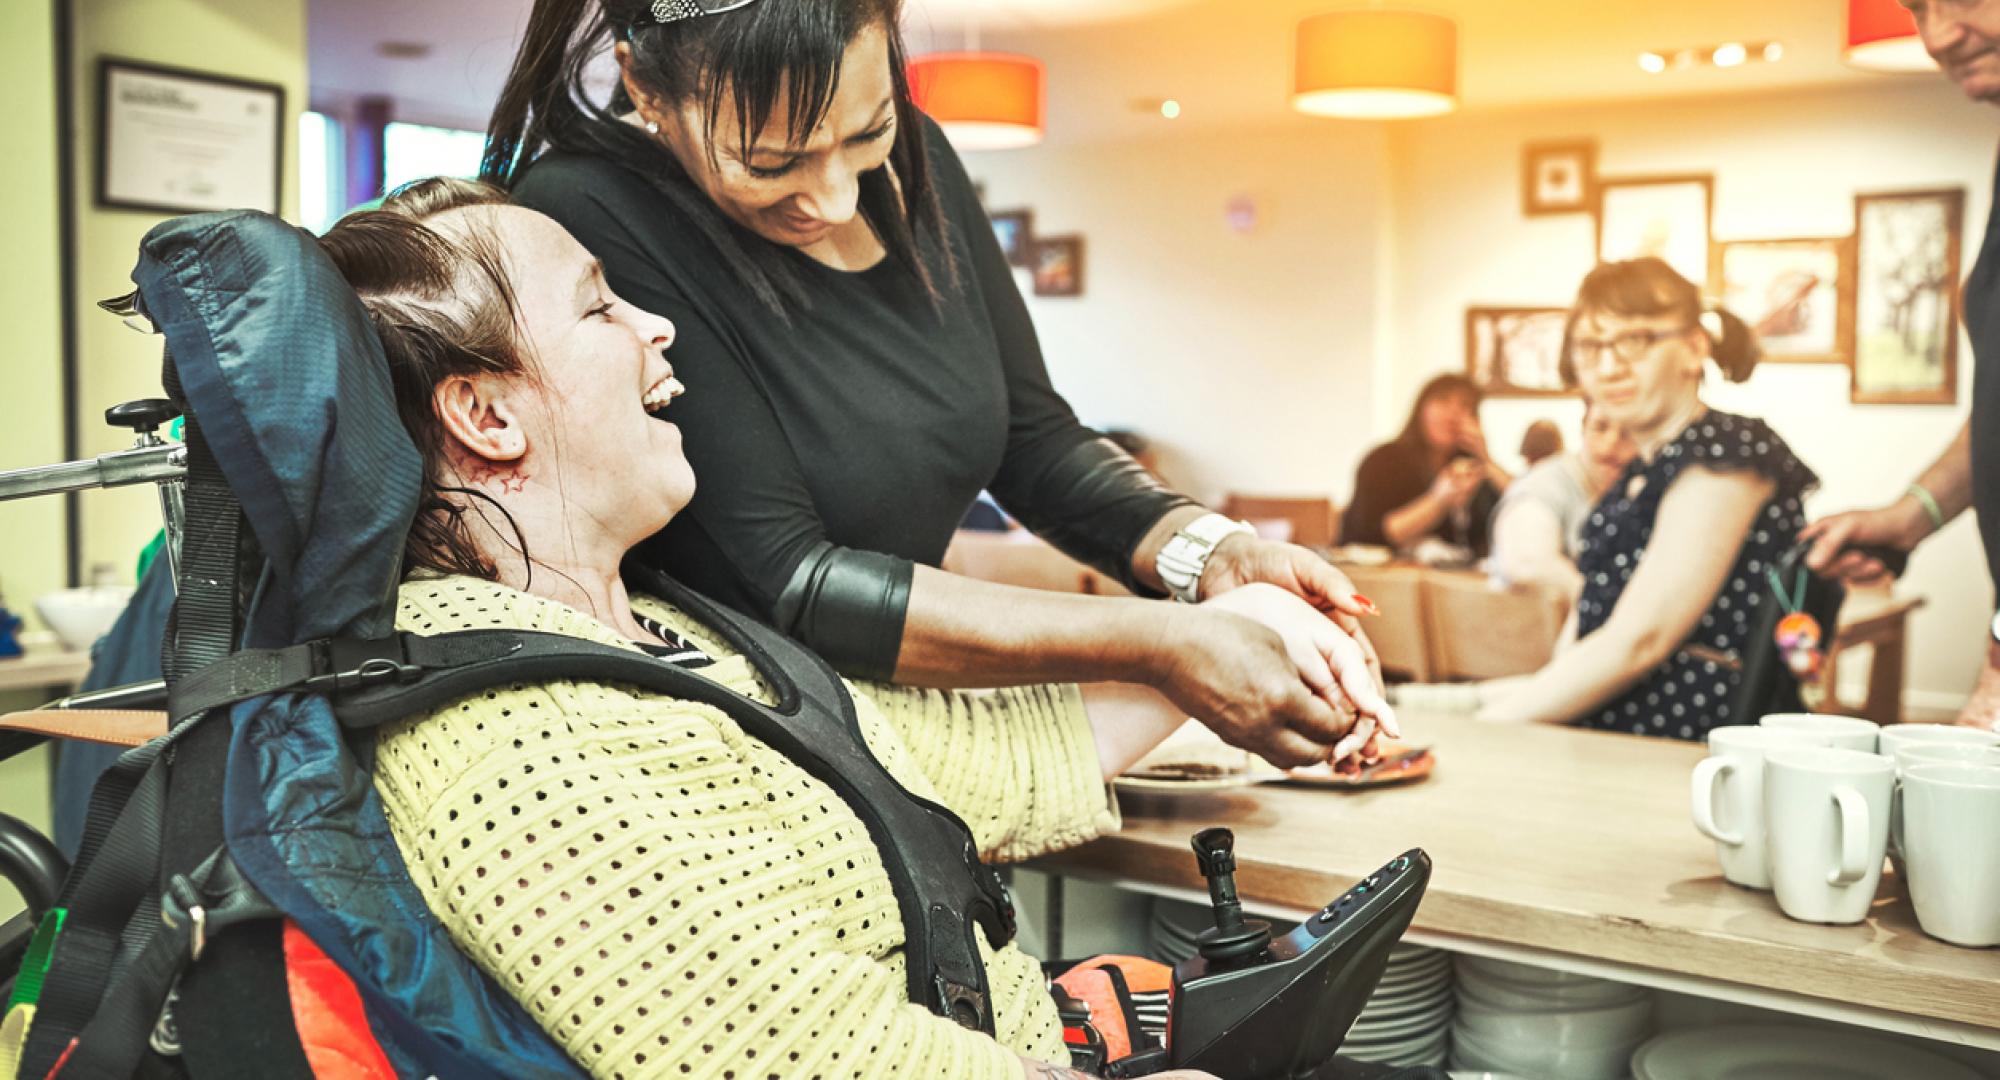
[{"x": 666, "y": 894}]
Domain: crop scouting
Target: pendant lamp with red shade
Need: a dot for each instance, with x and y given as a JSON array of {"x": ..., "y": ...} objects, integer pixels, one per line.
[
  {"x": 982, "y": 100},
  {"x": 1881, "y": 35}
]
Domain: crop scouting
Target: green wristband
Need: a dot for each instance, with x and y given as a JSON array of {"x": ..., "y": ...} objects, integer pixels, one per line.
[{"x": 1929, "y": 503}]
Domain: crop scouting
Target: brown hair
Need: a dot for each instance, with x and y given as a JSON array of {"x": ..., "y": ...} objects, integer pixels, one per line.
[
  {"x": 442, "y": 306},
  {"x": 769, "y": 55},
  {"x": 1442, "y": 386},
  {"x": 1648, "y": 287}
]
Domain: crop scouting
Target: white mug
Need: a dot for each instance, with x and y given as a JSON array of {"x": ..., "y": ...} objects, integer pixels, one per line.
[
  {"x": 1844, "y": 732},
  {"x": 1950, "y": 835},
  {"x": 1944, "y": 753},
  {"x": 1827, "y": 812},
  {"x": 1896, "y": 736},
  {"x": 1728, "y": 797}
]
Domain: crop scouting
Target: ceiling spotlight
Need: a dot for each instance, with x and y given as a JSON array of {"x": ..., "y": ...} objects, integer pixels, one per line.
[
  {"x": 1729, "y": 55},
  {"x": 1652, "y": 63},
  {"x": 1170, "y": 109},
  {"x": 1774, "y": 52}
]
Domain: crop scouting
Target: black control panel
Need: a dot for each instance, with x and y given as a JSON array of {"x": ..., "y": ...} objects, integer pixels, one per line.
[{"x": 1252, "y": 1007}]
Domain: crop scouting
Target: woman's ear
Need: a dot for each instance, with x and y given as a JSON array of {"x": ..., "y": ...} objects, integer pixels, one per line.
[
  {"x": 647, "y": 105},
  {"x": 479, "y": 419}
]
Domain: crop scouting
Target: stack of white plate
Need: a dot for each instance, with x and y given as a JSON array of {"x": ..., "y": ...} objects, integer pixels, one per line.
[
  {"x": 1550, "y": 1024},
  {"x": 1760, "y": 1051},
  {"x": 1408, "y": 1020}
]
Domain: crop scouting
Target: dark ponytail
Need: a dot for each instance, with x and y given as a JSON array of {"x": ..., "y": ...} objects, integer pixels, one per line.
[
  {"x": 1648, "y": 288},
  {"x": 1731, "y": 341},
  {"x": 770, "y": 55}
]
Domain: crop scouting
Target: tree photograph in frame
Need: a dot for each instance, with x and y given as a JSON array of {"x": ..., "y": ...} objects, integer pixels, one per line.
[
  {"x": 1058, "y": 266},
  {"x": 1666, "y": 217},
  {"x": 1906, "y": 252},
  {"x": 1515, "y": 351},
  {"x": 1015, "y": 229},
  {"x": 1558, "y": 177},
  {"x": 1794, "y": 293}
]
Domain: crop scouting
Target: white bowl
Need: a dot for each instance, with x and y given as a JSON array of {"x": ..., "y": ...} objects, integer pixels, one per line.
[
  {"x": 81, "y": 616},
  {"x": 1625, "y": 1025}
]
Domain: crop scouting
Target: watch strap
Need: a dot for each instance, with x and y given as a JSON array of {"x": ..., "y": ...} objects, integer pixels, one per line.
[{"x": 1185, "y": 554}]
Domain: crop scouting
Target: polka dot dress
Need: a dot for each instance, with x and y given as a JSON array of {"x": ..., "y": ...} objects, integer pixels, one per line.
[{"x": 1690, "y": 693}]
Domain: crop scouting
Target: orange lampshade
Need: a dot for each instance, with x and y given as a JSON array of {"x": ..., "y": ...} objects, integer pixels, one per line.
[
  {"x": 1376, "y": 64},
  {"x": 1882, "y": 36},
  {"x": 982, "y": 100}
]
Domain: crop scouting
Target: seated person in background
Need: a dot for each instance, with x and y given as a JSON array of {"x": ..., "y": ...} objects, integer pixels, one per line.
[
  {"x": 731, "y": 911},
  {"x": 1674, "y": 556},
  {"x": 1435, "y": 479},
  {"x": 1538, "y": 526},
  {"x": 1542, "y": 440}
]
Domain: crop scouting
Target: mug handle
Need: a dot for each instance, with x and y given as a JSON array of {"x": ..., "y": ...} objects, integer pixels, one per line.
[
  {"x": 1853, "y": 837},
  {"x": 1706, "y": 775},
  {"x": 1896, "y": 819}
]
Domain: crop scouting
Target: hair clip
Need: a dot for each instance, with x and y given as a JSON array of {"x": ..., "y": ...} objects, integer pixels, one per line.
[{"x": 667, "y": 11}]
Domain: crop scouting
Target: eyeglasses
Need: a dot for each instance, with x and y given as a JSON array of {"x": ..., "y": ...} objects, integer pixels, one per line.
[
  {"x": 1628, "y": 346},
  {"x": 666, "y": 11}
]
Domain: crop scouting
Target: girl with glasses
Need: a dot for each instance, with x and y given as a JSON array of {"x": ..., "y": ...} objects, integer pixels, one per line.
[{"x": 1674, "y": 557}]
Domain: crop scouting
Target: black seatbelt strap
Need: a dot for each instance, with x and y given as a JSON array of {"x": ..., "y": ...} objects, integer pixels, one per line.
[{"x": 945, "y": 894}]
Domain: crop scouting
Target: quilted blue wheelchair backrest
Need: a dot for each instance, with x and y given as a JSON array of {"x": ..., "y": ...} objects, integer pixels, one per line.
[{"x": 285, "y": 377}]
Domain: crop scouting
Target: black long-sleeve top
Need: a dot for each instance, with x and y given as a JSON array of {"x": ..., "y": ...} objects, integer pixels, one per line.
[{"x": 868, "y": 422}]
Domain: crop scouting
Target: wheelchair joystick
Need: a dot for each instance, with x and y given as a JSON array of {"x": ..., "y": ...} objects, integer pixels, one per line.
[{"x": 1233, "y": 937}]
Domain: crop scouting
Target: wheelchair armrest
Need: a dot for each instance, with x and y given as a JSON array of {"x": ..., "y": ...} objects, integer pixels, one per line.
[{"x": 31, "y": 863}]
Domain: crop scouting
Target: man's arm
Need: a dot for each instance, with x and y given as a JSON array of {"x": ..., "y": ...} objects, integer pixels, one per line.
[{"x": 1901, "y": 525}]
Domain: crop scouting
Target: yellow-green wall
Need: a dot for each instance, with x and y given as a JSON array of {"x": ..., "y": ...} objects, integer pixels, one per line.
[
  {"x": 31, "y": 532},
  {"x": 263, "y": 40}
]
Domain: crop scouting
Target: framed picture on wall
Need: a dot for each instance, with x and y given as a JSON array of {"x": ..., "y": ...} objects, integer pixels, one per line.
[
  {"x": 1796, "y": 294},
  {"x": 1015, "y": 229},
  {"x": 1516, "y": 351},
  {"x": 1666, "y": 217},
  {"x": 1558, "y": 177},
  {"x": 1906, "y": 252},
  {"x": 1058, "y": 266},
  {"x": 174, "y": 141}
]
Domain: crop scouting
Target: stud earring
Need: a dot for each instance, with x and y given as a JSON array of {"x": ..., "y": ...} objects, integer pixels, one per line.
[{"x": 652, "y": 127}]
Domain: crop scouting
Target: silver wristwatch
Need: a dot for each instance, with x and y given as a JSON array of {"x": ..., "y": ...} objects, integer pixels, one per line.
[{"x": 1185, "y": 555}]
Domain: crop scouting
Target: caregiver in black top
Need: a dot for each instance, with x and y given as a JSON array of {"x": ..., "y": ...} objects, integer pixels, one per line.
[
  {"x": 1964, "y": 37},
  {"x": 860, "y": 365}
]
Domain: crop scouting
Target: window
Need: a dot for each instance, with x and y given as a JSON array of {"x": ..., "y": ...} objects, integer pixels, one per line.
[
  {"x": 322, "y": 180},
  {"x": 415, "y": 151}
]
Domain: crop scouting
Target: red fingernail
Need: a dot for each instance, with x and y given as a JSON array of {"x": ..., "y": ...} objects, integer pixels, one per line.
[{"x": 1367, "y": 604}]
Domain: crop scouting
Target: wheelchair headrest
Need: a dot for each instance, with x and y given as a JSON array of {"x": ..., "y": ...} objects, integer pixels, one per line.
[{"x": 284, "y": 375}]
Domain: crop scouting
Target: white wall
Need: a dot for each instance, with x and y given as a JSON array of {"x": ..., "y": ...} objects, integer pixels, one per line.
[
  {"x": 1271, "y": 361},
  {"x": 1245, "y": 356},
  {"x": 1784, "y": 165}
]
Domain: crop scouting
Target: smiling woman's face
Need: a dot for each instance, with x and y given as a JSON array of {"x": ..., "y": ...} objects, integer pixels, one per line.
[
  {"x": 598, "y": 380},
  {"x": 791, "y": 190}
]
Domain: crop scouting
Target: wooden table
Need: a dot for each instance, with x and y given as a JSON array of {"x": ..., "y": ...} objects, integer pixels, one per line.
[
  {"x": 1566, "y": 849},
  {"x": 44, "y": 669}
]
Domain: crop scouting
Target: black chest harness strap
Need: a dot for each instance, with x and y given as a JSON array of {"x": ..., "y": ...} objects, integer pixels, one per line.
[{"x": 944, "y": 892}]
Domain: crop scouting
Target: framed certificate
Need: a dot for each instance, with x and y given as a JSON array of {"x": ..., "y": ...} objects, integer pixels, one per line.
[{"x": 175, "y": 141}]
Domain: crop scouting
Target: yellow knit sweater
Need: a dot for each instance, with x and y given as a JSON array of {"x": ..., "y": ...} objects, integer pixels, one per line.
[{"x": 670, "y": 897}]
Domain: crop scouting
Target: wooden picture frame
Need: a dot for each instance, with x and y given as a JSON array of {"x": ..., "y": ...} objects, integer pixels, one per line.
[
  {"x": 1796, "y": 293},
  {"x": 1015, "y": 229},
  {"x": 174, "y": 141},
  {"x": 1907, "y": 248},
  {"x": 1516, "y": 351},
  {"x": 1667, "y": 216},
  {"x": 1058, "y": 265},
  {"x": 1559, "y": 177}
]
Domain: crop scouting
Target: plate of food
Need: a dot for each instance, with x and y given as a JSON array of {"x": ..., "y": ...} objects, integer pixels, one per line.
[
  {"x": 1399, "y": 764},
  {"x": 1196, "y": 759}
]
